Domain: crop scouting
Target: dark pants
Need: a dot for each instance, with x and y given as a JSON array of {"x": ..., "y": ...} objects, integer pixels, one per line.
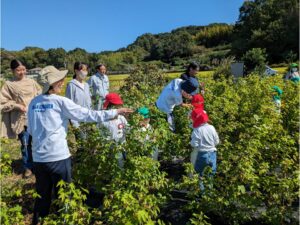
[
  {"x": 25, "y": 139},
  {"x": 47, "y": 176}
]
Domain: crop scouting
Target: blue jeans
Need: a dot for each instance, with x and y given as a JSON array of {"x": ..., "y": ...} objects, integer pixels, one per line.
[
  {"x": 200, "y": 160},
  {"x": 25, "y": 139}
]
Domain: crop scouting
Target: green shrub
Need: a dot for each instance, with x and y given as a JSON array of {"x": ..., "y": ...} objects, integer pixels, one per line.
[
  {"x": 72, "y": 210},
  {"x": 255, "y": 60}
]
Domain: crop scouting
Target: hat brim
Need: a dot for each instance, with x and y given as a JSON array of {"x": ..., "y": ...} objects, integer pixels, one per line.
[
  {"x": 293, "y": 65},
  {"x": 194, "y": 92},
  {"x": 60, "y": 75},
  {"x": 106, "y": 103}
]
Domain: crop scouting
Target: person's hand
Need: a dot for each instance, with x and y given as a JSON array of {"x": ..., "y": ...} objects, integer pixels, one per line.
[
  {"x": 124, "y": 111},
  {"x": 187, "y": 105},
  {"x": 22, "y": 108}
]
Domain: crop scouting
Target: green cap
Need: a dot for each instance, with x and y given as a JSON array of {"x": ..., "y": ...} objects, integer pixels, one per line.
[
  {"x": 295, "y": 79},
  {"x": 293, "y": 65},
  {"x": 144, "y": 111},
  {"x": 278, "y": 90}
]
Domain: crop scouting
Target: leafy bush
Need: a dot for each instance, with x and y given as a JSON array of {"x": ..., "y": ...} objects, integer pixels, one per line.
[
  {"x": 96, "y": 165},
  {"x": 147, "y": 75},
  {"x": 224, "y": 69},
  {"x": 71, "y": 206},
  {"x": 136, "y": 193},
  {"x": 255, "y": 60},
  {"x": 257, "y": 174},
  {"x": 257, "y": 158},
  {"x": 5, "y": 164},
  {"x": 11, "y": 215}
]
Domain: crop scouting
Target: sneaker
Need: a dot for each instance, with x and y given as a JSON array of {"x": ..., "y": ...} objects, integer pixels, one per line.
[{"x": 27, "y": 173}]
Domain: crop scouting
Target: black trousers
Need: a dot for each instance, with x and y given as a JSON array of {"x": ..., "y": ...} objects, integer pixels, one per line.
[{"x": 47, "y": 176}]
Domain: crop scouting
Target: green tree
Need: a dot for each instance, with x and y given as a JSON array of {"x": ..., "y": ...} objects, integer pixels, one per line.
[
  {"x": 57, "y": 57},
  {"x": 173, "y": 45},
  {"x": 214, "y": 35},
  {"x": 255, "y": 59},
  {"x": 270, "y": 24}
]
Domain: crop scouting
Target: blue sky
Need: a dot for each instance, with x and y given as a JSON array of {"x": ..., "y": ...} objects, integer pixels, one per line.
[{"x": 98, "y": 25}]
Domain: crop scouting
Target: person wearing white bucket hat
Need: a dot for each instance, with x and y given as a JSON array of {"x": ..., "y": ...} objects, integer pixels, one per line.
[
  {"x": 52, "y": 76},
  {"x": 48, "y": 118}
]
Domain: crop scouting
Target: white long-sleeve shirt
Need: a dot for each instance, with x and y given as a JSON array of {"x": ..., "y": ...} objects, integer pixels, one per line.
[
  {"x": 170, "y": 97},
  {"x": 205, "y": 138},
  {"x": 48, "y": 117},
  {"x": 117, "y": 128},
  {"x": 80, "y": 94}
]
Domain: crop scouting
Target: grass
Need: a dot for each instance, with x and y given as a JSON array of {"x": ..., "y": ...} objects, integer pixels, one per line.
[{"x": 281, "y": 70}]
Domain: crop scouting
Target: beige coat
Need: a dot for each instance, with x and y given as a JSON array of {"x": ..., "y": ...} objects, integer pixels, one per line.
[{"x": 13, "y": 93}]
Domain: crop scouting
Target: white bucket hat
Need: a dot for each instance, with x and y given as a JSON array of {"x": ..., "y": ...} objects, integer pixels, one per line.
[{"x": 51, "y": 75}]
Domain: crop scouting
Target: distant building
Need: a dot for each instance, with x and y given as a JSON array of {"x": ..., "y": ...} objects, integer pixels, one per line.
[{"x": 34, "y": 73}]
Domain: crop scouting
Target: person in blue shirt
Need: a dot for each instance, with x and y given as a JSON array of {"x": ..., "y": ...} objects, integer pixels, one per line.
[{"x": 99, "y": 85}]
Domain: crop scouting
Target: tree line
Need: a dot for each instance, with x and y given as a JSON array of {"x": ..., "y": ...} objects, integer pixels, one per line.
[{"x": 271, "y": 25}]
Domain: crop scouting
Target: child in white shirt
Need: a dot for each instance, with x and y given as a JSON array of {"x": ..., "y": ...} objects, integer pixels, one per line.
[
  {"x": 146, "y": 127},
  {"x": 116, "y": 126},
  {"x": 204, "y": 140}
]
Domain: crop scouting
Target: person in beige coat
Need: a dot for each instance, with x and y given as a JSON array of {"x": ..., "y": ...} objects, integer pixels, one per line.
[{"x": 15, "y": 96}]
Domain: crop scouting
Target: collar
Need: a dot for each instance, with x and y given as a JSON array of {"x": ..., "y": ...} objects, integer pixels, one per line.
[
  {"x": 101, "y": 76},
  {"x": 77, "y": 83}
]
